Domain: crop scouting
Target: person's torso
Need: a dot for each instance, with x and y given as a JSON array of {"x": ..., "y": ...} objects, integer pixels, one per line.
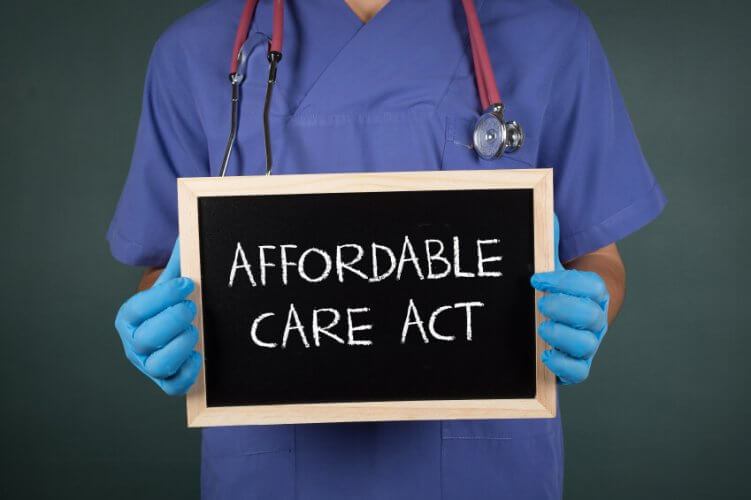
[{"x": 397, "y": 93}]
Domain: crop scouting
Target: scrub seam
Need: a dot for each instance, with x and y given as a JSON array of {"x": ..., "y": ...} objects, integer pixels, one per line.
[
  {"x": 607, "y": 219},
  {"x": 294, "y": 461},
  {"x": 261, "y": 452},
  {"x": 324, "y": 70},
  {"x": 480, "y": 438},
  {"x": 638, "y": 213},
  {"x": 119, "y": 235},
  {"x": 440, "y": 461},
  {"x": 133, "y": 253},
  {"x": 447, "y": 126}
]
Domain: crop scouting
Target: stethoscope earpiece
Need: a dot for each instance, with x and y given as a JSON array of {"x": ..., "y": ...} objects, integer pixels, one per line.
[{"x": 493, "y": 137}]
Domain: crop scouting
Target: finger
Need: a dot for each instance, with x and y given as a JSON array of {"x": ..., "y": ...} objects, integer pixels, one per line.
[
  {"x": 566, "y": 368},
  {"x": 573, "y": 311},
  {"x": 165, "y": 362},
  {"x": 157, "y": 331},
  {"x": 580, "y": 344},
  {"x": 571, "y": 282},
  {"x": 151, "y": 302},
  {"x": 172, "y": 269},
  {"x": 557, "y": 242},
  {"x": 181, "y": 381},
  {"x": 135, "y": 359}
]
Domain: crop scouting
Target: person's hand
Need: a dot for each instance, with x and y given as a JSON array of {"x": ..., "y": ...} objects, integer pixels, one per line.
[
  {"x": 156, "y": 331},
  {"x": 577, "y": 311}
]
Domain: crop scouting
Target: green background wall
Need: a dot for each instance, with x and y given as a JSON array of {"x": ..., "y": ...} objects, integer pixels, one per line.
[{"x": 666, "y": 411}]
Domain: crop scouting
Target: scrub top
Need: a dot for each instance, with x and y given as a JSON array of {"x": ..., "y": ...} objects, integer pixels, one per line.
[{"x": 397, "y": 93}]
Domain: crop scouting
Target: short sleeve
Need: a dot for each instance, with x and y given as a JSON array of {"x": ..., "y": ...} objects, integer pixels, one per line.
[
  {"x": 170, "y": 143},
  {"x": 604, "y": 188}
]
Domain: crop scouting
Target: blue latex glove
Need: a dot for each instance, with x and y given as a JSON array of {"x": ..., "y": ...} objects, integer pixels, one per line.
[
  {"x": 577, "y": 311},
  {"x": 156, "y": 331}
]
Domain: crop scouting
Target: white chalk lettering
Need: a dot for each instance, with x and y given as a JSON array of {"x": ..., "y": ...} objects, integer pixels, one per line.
[
  {"x": 407, "y": 247},
  {"x": 286, "y": 262},
  {"x": 374, "y": 247},
  {"x": 325, "y": 330},
  {"x": 431, "y": 324},
  {"x": 457, "y": 265},
  {"x": 326, "y": 269},
  {"x": 413, "y": 318},
  {"x": 263, "y": 263},
  {"x": 341, "y": 265},
  {"x": 292, "y": 315},
  {"x": 254, "y": 331},
  {"x": 468, "y": 308},
  {"x": 436, "y": 257},
  {"x": 351, "y": 329},
  {"x": 240, "y": 253},
  {"x": 431, "y": 258},
  {"x": 482, "y": 260}
]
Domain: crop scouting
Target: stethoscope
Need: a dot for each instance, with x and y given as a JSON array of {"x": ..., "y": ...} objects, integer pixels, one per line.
[{"x": 492, "y": 135}]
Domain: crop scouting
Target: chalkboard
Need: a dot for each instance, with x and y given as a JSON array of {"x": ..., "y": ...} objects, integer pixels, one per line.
[{"x": 347, "y": 297}]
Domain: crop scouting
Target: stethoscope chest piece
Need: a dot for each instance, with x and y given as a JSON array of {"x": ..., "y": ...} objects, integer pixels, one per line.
[{"x": 493, "y": 137}]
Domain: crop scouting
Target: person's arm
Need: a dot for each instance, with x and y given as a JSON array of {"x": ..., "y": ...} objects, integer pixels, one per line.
[
  {"x": 607, "y": 263},
  {"x": 148, "y": 278}
]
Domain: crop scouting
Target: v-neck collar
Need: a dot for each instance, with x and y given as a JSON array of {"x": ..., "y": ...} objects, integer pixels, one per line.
[
  {"x": 334, "y": 64},
  {"x": 354, "y": 14}
]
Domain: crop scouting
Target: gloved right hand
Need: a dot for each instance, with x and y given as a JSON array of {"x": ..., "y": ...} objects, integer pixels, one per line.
[{"x": 156, "y": 331}]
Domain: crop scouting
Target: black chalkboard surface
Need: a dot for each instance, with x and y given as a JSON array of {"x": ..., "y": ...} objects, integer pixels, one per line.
[{"x": 313, "y": 297}]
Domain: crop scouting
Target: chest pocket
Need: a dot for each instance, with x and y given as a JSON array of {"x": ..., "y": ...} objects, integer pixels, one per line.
[
  {"x": 459, "y": 154},
  {"x": 249, "y": 462}
]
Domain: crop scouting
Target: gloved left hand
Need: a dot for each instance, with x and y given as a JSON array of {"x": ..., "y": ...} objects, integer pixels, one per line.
[
  {"x": 156, "y": 330},
  {"x": 577, "y": 311}
]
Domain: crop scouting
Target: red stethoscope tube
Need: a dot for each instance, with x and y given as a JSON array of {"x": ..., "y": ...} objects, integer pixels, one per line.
[
  {"x": 275, "y": 55},
  {"x": 487, "y": 88},
  {"x": 277, "y": 37}
]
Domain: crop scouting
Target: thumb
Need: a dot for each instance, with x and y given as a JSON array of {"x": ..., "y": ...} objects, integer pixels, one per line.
[
  {"x": 172, "y": 269},
  {"x": 557, "y": 241}
]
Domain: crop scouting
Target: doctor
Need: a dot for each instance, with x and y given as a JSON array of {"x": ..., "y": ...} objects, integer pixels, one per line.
[{"x": 369, "y": 85}]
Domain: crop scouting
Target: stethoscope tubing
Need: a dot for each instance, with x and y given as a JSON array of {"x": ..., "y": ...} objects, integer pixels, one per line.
[{"x": 510, "y": 133}]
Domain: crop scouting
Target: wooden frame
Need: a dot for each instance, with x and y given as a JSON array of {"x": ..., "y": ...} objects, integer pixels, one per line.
[{"x": 539, "y": 180}]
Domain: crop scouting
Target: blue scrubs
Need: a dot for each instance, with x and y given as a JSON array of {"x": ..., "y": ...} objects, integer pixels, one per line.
[{"x": 395, "y": 94}]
